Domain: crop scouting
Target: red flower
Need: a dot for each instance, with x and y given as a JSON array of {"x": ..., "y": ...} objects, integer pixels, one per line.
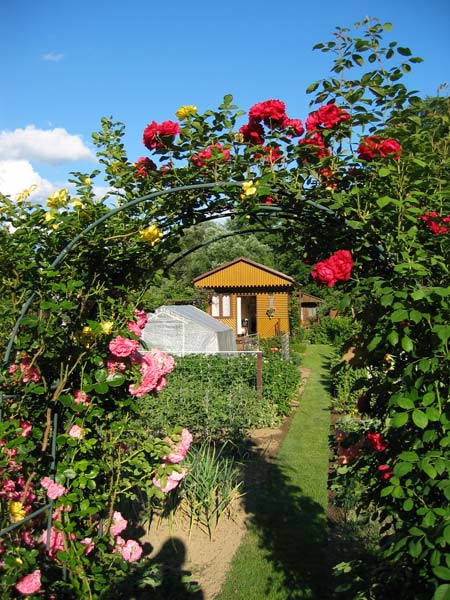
[
  {"x": 315, "y": 140},
  {"x": 373, "y": 147},
  {"x": 327, "y": 116},
  {"x": 212, "y": 152},
  {"x": 142, "y": 167},
  {"x": 337, "y": 267},
  {"x": 253, "y": 133},
  {"x": 435, "y": 222},
  {"x": 269, "y": 200},
  {"x": 376, "y": 442},
  {"x": 296, "y": 125},
  {"x": 385, "y": 471},
  {"x": 157, "y": 136},
  {"x": 271, "y": 112}
]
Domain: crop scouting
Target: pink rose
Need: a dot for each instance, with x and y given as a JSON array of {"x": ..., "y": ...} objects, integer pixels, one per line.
[
  {"x": 141, "y": 317},
  {"x": 118, "y": 523},
  {"x": 172, "y": 481},
  {"x": 89, "y": 545},
  {"x": 30, "y": 583},
  {"x": 76, "y": 432},
  {"x": 81, "y": 398},
  {"x": 134, "y": 328},
  {"x": 337, "y": 267},
  {"x": 123, "y": 347},
  {"x": 56, "y": 541},
  {"x": 26, "y": 428},
  {"x": 130, "y": 549},
  {"x": 179, "y": 451},
  {"x": 54, "y": 490}
]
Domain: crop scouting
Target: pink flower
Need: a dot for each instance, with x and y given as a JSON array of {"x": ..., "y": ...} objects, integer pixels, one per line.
[
  {"x": 134, "y": 328},
  {"x": 143, "y": 166},
  {"x": 115, "y": 366},
  {"x": 26, "y": 428},
  {"x": 130, "y": 549},
  {"x": 154, "y": 365},
  {"x": 89, "y": 545},
  {"x": 118, "y": 523},
  {"x": 81, "y": 398},
  {"x": 179, "y": 451},
  {"x": 123, "y": 347},
  {"x": 337, "y": 267},
  {"x": 141, "y": 317},
  {"x": 214, "y": 152},
  {"x": 76, "y": 432},
  {"x": 54, "y": 490},
  {"x": 56, "y": 541},
  {"x": 157, "y": 136},
  {"x": 376, "y": 442},
  {"x": 30, "y": 583},
  {"x": 172, "y": 481},
  {"x": 29, "y": 373}
]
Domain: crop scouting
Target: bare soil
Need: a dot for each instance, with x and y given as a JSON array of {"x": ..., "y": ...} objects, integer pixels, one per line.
[{"x": 208, "y": 559}]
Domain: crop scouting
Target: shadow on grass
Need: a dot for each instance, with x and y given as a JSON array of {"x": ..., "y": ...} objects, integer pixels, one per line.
[{"x": 291, "y": 529}]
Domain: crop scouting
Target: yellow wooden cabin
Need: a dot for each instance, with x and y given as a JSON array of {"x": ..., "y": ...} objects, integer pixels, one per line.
[{"x": 249, "y": 297}]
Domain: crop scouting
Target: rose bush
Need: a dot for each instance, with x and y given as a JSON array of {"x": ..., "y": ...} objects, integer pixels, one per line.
[{"x": 364, "y": 191}]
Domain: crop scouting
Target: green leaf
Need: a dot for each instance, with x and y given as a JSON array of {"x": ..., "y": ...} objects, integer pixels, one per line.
[
  {"x": 402, "y": 468},
  {"x": 101, "y": 388},
  {"x": 383, "y": 172},
  {"x": 446, "y": 534},
  {"x": 442, "y": 592},
  {"x": 408, "y": 504},
  {"x": 404, "y": 51},
  {"x": 428, "y": 468},
  {"x": 399, "y": 315},
  {"x": 385, "y": 200},
  {"x": 407, "y": 344},
  {"x": 409, "y": 456},
  {"x": 415, "y": 316},
  {"x": 399, "y": 420},
  {"x": 374, "y": 343},
  {"x": 393, "y": 338},
  {"x": 313, "y": 87},
  {"x": 420, "y": 418},
  {"x": 442, "y": 573},
  {"x": 387, "y": 26}
]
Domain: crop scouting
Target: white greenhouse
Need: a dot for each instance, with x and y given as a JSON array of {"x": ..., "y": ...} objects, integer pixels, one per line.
[{"x": 184, "y": 329}]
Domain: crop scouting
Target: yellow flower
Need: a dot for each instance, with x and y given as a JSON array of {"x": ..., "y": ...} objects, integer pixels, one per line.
[
  {"x": 248, "y": 188},
  {"x": 58, "y": 199},
  {"x": 87, "y": 181},
  {"x": 152, "y": 235},
  {"x": 107, "y": 327},
  {"x": 24, "y": 195},
  {"x": 16, "y": 511},
  {"x": 76, "y": 203},
  {"x": 49, "y": 216},
  {"x": 186, "y": 111},
  {"x": 86, "y": 336}
]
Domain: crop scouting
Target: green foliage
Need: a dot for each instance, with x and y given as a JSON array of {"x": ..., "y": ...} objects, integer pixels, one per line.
[{"x": 332, "y": 330}]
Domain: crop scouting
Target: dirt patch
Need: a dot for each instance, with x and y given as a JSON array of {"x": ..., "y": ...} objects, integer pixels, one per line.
[{"x": 208, "y": 559}]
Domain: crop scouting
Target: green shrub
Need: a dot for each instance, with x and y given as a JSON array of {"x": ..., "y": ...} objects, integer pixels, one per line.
[{"x": 332, "y": 331}]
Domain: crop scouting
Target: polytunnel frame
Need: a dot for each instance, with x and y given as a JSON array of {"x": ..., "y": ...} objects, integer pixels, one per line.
[{"x": 268, "y": 209}]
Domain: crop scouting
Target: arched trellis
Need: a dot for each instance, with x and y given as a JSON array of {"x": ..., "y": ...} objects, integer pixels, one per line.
[{"x": 201, "y": 216}]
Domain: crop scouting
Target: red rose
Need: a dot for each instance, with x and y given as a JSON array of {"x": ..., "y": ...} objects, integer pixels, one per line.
[
  {"x": 337, "y": 267},
  {"x": 214, "y": 151},
  {"x": 327, "y": 116},
  {"x": 342, "y": 264},
  {"x": 376, "y": 442},
  {"x": 296, "y": 125},
  {"x": 315, "y": 141},
  {"x": 272, "y": 112},
  {"x": 253, "y": 133},
  {"x": 157, "y": 136},
  {"x": 390, "y": 147},
  {"x": 143, "y": 166},
  {"x": 385, "y": 471},
  {"x": 435, "y": 222},
  {"x": 323, "y": 273}
]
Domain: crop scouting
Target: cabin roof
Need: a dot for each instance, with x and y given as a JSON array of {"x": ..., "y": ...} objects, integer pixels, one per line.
[{"x": 243, "y": 272}]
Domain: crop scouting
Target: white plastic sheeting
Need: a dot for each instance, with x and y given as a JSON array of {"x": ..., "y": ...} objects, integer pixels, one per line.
[{"x": 184, "y": 329}]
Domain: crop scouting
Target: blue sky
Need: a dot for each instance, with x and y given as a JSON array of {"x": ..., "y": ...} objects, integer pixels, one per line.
[{"x": 66, "y": 63}]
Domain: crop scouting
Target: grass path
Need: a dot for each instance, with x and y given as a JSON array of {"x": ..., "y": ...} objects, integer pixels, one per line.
[{"x": 283, "y": 555}]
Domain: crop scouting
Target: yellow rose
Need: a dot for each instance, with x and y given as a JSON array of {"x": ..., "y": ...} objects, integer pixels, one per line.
[
  {"x": 49, "y": 216},
  {"x": 87, "y": 181},
  {"x": 107, "y": 327},
  {"x": 24, "y": 195},
  {"x": 58, "y": 199},
  {"x": 76, "y": 203},
  {"x": 16, "y": 511},
  {"x": 249, "y": 188},
  {"x": 152, "y": 235},
  {"x": 185, "y": 111}
]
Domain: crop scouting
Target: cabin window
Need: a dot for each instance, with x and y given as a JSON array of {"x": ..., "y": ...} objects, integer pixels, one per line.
[{"x": 221, "y": 305}]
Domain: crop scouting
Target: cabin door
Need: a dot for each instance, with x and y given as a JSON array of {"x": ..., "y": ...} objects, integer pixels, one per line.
[{"x": 246, "y": 315}]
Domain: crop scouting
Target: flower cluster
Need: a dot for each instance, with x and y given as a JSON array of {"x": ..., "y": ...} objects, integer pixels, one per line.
[
  {"x": 130, "y": 550},
  {"x": 137, "y": 326},
  {"x": 438, "y": 225},
  {"x": 376, "y": 442},
  {"x": 215, "y": 152},
  {"x": 28, "y": 372},
  {"x": 337, "y": 267},
  {"x": 158, "y": 136},
  {"x": 178, "y": 452},
  {"x": 373, "y": 147},
  {"x": 273, "y": 114},
  {"x": 326, "y": 117}
]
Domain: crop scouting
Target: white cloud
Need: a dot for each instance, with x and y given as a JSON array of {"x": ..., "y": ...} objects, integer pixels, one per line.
[
  {"x": 50, "y": 146},
  {"x": 17, "y": 176},
  {"x": 52, "y": 56}
]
